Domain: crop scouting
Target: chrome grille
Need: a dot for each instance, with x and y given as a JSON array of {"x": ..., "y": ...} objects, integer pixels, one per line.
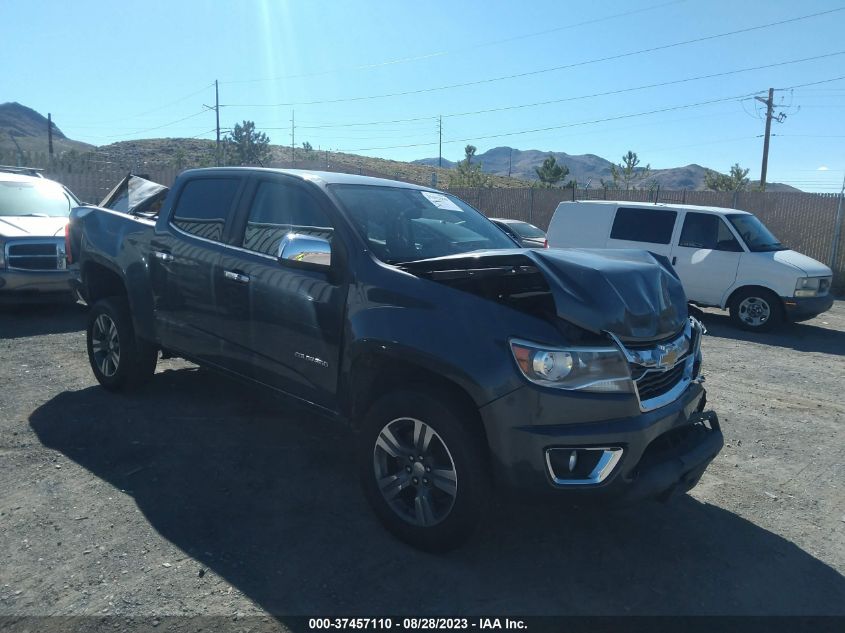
[
  {"x": 662, "y": 371},
  {"x": 32, "y": 255},
  {"x": 656, "y": 383}
]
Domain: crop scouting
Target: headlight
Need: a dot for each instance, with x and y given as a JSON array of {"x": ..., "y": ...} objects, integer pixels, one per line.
[
  {"x": 596, "y": 369},
  {"x": 807, "y": 286}
]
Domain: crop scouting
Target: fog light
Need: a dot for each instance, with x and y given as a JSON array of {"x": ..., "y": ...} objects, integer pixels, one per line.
[{"x": 573, "y": 460}]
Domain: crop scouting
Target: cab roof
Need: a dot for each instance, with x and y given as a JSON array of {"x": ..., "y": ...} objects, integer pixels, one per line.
[{"x": 321, "y": 178}]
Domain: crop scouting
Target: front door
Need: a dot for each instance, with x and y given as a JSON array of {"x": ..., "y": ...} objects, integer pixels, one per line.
[
  {"x": 295, "y": 313},
  {"x": 706, "y": 257}
]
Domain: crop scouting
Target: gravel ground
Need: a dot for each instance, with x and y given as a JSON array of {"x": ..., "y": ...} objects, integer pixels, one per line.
[{"x": 199, "y": 495}]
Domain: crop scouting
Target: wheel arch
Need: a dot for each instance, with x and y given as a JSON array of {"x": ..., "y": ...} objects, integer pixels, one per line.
[
  {"x": 376, "y": 374},
  {"x": 736, "y": 291}
]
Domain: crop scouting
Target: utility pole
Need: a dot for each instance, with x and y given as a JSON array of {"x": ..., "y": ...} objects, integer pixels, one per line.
[
  {"x": 50, "y": 135},
  {"x": 292, "y": 141},
  {"x": 440, "y": 142},
  {"x": 510, "y": 160},
  {"x": 770, "y": 103},
  {"x": 217, "y": 115}
]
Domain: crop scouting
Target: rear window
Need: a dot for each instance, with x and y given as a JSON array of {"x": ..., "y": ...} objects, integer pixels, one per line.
[
  {"x": 34, "y": 198},
  {"x": 644, "y": 225},
  {"x": 523, "y": 229},
  {"x": 204, "y": 205}
]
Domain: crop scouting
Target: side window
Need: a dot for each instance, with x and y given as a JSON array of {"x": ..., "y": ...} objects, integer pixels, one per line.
[
  {"x": 704, "y": 230},
  {"x": 643, "y": 225},
  {"x": 204, "y": 206},
  {"x": 279, "y": 209}
]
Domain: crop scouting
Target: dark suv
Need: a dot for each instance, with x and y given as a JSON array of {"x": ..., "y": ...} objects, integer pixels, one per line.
[{"x": 460, "y": 361}]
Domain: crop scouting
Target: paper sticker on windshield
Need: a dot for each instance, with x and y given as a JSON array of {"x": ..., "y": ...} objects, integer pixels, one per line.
[{"x": 440, "y": 201}]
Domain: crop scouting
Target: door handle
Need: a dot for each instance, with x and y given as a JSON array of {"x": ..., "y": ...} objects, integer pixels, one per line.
[
  {"x": 674, "y": 260},
  {"x": 163, "y": 256},
  {"x": 235, "y": 276}
]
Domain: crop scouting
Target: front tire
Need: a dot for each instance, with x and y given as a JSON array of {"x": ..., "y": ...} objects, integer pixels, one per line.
[
  {"x": 422, "y": 469},
  {"x": 756, "y": 310},
  {"x": 118, "y": 358}
]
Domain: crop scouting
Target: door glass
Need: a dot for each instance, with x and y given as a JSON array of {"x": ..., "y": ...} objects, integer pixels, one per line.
[
  {"x": 643, "y": 225},
  {"x": 279, "y": 209},
  {"x": 204, "y": 205},
  {"x": 704, "y": 230}
]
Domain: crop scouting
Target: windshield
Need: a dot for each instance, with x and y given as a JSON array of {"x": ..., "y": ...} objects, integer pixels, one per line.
[
  {"x": 38, "y": 199},
  {"x": 402, "y": 225},
  {"x": 754, "y": 233},
  {"x": 523, "y": 229}
]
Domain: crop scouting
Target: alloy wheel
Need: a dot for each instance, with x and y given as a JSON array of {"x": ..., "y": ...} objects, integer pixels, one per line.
[
  {"x": 415, "y": 472},
  {"x": 105, "y": 345}
]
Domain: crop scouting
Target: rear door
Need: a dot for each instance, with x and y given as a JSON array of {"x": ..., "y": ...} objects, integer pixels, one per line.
[
  {"x": 645, "y": 228},
  {"x": 707, "y": 257},
  {"x": 288, "y": 315},
  {"x": 184, "y": 256}
]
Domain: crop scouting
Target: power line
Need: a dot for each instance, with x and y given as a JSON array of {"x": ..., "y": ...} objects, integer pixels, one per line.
[
  {"x": 563, "y": 126},
  {"x": 602, "y": 120},
  {"x": 647, "y": 86},
  {"x": 415, "y": 58},
  {"x": 158, "y": 127},
  {"x": 540, "y": 71},
  {"x": 567, "y": 99}
]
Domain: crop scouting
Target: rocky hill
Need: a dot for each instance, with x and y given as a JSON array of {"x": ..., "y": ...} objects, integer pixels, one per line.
[
  {"x": 23, "y": 127},
  {"x": 29, "y": 129},
  {"x": 583, "y": 168}
]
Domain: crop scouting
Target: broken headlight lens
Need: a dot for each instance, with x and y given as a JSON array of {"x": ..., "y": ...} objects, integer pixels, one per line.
[{"x": 595, "y": 369}]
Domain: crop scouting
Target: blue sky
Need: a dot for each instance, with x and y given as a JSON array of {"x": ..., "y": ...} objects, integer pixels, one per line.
[{"x": 117, "y": 71}]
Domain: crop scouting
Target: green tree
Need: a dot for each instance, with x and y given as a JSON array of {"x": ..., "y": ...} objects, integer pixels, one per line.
[
  {"x": 308, "y": 149},
  {"x": 245, "y": 146},
  {"x": 467, "y": 173},
  {"x": 628, "y": 171},
  {"x": 550, "y": 173},
  {"x": 736, "y": 180}
]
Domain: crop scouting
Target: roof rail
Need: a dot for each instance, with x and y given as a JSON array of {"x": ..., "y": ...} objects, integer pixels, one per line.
[{"x": 26, "y": 171}]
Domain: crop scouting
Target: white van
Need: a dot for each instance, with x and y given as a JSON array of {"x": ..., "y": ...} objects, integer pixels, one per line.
[{"x": 725, "y": 258}]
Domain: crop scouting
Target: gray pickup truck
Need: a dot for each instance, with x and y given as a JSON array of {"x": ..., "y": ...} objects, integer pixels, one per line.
[{"x": 463, "y": 363}]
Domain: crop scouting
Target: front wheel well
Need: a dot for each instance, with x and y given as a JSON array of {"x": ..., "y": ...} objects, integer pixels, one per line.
[
  {"x": 743, "y": 289},
  {"x": 374, "y": 377}
]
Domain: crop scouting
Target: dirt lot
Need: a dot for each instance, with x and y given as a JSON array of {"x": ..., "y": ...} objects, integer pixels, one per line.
[{"x": 203, "y": 496}]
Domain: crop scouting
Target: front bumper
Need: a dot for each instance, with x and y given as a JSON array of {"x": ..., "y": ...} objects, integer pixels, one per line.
[
  {"x": 804, "y": 308},
  {"x": 663, "y": 451},
  {"x": 23, "y": 284}
]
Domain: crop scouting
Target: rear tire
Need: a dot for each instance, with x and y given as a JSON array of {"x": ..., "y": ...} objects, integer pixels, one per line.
[
  {"x": 422, "y": 469},
  {"x": 756, "y": 310},
  {"x": 118, "y": 358}
]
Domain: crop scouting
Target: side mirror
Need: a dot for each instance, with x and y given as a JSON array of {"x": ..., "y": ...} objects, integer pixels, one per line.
[{"x": 306, "y": 249}]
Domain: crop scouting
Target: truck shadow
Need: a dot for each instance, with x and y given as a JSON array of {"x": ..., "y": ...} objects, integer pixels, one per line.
[
  {"x": 21, "y": 321},
  {"x": 802, "y": 337},
  {"x": 269, "y": 501}
]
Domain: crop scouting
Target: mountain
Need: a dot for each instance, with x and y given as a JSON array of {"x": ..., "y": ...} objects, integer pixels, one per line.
[
  {"x": 29, "y": 129},
  {"x": 583, "y": 168}
]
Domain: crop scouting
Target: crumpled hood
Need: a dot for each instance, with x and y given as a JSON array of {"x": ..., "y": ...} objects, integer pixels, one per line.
[
  {"x": 31, "y": 226},
  {"x": 808, "y": 265},
  {"x": 633, "y": 294}
]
